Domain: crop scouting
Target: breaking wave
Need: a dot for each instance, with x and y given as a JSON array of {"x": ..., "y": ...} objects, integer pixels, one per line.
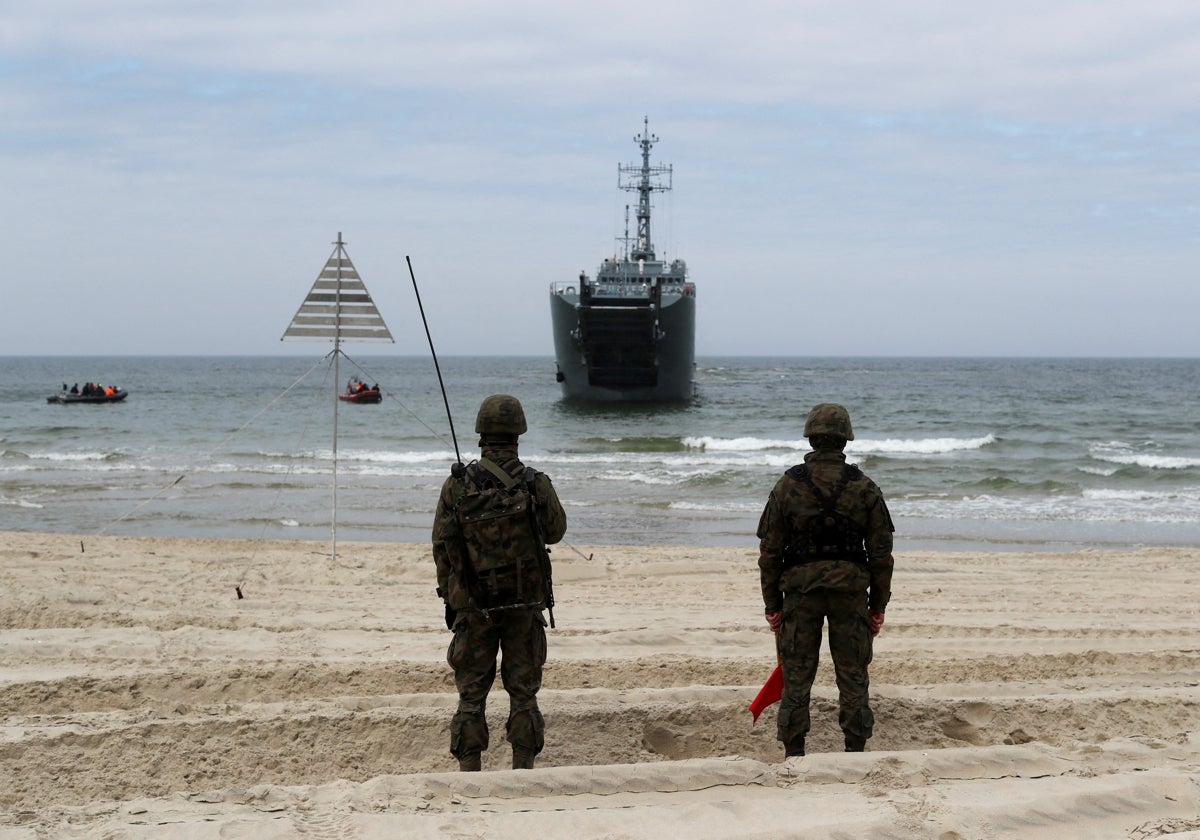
[{"x": 888, "y": 446}]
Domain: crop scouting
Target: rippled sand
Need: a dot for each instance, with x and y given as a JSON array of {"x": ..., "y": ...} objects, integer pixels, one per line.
[{"x": 1016, "y": 695}]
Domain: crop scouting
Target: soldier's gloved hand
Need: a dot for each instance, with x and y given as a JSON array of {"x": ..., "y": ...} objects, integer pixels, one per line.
[
  {"x": 876, "y": 620},
  {"x": 451, "y": 614},
  {"x": 774, "y": 619}
]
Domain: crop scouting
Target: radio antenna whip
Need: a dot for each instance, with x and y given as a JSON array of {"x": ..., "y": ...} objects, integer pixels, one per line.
[{"x": 436, "y": 366}]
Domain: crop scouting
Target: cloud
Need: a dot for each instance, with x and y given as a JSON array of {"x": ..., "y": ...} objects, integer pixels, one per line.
[{"x": 958, "y": 169}]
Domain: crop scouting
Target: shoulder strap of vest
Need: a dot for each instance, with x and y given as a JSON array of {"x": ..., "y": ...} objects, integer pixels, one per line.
[
  {"x": 495, "y": 469},
  {"x": 850, "y": 472}
]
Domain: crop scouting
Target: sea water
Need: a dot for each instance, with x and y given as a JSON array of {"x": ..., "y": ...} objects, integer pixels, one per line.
[{"x": 976, "y": 454}]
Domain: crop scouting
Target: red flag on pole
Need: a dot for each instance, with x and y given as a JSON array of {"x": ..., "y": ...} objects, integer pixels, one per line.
[{"x": 771, "y": 692}]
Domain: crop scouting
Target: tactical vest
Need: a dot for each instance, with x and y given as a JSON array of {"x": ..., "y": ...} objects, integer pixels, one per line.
[
  {"x": 829, "y": 535},
  {"x": 496, "y": 514}
]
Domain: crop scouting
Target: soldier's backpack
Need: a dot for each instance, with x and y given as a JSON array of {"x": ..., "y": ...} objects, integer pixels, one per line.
[{"x": 503, "y": 547}]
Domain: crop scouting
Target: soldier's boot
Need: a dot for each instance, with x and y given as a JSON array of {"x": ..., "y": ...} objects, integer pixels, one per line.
[
  {"x": 793, "y": 747},
  {"x": 855, "y": 743},
  {"x": 522, "y": 758},
  {"x": 470, "y": 763}
]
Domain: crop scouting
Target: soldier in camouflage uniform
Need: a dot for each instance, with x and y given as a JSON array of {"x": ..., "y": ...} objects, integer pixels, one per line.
[
  {"x": 481, "y": 633},
  {"x": 825, "y": 553}
]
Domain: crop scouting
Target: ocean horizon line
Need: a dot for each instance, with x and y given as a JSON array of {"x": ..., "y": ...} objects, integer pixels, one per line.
[{"x": 550, "y": 356}]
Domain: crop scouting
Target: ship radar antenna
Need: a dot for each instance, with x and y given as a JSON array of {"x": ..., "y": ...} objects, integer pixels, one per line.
[{"x": 644, "y": 180}]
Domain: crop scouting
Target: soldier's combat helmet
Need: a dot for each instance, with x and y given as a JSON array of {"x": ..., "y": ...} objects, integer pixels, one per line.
[
  {"x": 829, "y": 419},
  {"x": 500, "y": 414}
]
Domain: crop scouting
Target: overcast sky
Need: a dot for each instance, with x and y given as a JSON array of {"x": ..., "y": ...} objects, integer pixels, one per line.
[{"x": 858, "y": 178}]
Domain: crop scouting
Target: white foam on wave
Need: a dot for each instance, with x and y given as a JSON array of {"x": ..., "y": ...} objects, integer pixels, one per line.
[
  {"x": 1118, "y": 452},
  {"x": 1099, "y": 505},
  {"x": 373, "y": 456},
  {"x": 887, "y": 446},
  {"x": 664, "y": 477},
  {"x": 75, "y": 467},
  {"x": 21, "y": 503},
  {"x": 383, "y": 456},
  {"x": 70, "y": 456},
  {"x": 1189, "y": 495},
  {"x": 742, "y": 444},
  {"x": 702, "y": 456},
  {"x": 920, "y": 446},
  {"x": 716, "y": 507}
]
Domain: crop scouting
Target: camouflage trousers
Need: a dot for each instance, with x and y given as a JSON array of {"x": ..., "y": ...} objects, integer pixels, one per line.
[
  {"x": 849, "y": 647},
  {"x": 520, "y": 637}
]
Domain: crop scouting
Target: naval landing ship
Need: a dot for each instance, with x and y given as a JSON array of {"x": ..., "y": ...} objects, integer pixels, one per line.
[{"x": 629, "y": 334}]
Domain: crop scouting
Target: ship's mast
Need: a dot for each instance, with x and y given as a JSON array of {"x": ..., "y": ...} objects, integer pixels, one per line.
[
  {"x": 625, "y": 240},
  {"x": 644, "y": 179}
]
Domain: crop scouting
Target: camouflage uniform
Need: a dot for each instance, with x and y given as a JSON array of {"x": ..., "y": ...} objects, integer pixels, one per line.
[
  {"x": 813, "y": 587},
  {"x": 479, "y": 636}
]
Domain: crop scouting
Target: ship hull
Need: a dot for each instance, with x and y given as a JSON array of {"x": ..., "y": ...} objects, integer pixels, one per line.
[{"x": 628, "y": 353}]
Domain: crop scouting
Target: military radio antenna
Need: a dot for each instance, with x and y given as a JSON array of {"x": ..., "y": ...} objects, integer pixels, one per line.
[{"x": 458, "y": 464}]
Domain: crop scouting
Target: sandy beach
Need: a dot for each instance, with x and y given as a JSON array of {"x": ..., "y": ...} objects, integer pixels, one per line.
[{"x": 1035, "y": 695}]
